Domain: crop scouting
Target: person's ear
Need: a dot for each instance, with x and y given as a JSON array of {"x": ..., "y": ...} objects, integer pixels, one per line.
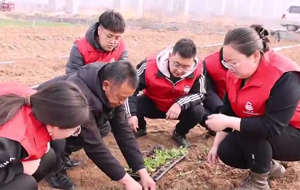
[
  {"x": 257, "y": 56},
  {"x": 49, "y": 129},
  {"x": 106, "y": 85}
]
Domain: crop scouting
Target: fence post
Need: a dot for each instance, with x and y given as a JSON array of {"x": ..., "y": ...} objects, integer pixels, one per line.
[
  {"x": 275, "y": 8},
  {"x": 260, "y": 7},
  {"x": 140, "y": 8},
  {"x": 186, "y": 7},
  {"x": 251, "y": 8},
  {"x": 236, "y": 6},
  {"x": 223, "y": 7},
  {"x": 206, "y": 5}
]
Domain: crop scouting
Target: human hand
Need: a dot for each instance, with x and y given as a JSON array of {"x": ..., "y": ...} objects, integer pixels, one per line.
[
  {"x": 130, "y": 183},
  {"x": 147, "y": 182},
  {"x": 212, "y": 156},
  {"x": 133, "y": 123},
  {"x": 30, "y": 167},
  {"x": 217, "y": 122},
  {"x": 174, "y": 111}
]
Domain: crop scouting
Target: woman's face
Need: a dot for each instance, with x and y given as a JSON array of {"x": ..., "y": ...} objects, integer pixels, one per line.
[
  {"x": 58, "y": 133},
  {"x": 240, "y": 65}
]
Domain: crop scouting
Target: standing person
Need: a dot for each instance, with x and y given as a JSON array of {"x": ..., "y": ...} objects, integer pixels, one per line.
[
  {"x": 106, "y": 87},
  {"x": 102, "y": 42},
  {"x": 261, "y": 109},
  {"x": 173, "y": 87},
  {"x": 215, "y": 70},
  {"x": 29, "y": 120}
]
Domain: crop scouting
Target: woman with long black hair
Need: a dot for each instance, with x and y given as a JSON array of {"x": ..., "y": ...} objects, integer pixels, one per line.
[{"x": 29, "y": 120}]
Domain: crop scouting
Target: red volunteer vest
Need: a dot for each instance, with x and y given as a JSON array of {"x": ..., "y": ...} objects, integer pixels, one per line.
[
  {"x": 250, "y": 101},
  {"x": 217, "y": 72},
  {"x": 91, "y": 55},
  {"x": 163, "y": 92},
  {"x": 24, "y": 128}
]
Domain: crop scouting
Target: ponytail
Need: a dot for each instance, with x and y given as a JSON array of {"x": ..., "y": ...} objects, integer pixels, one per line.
[
  {"x": 263, "y": 33},
  {"x": 61, "y": 104},
  {"x": 10, "y": 105}
]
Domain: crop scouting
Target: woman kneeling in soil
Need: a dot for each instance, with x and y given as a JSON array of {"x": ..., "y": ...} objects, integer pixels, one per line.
[
  {"x": 29, "y": 120},
  {"x": 260, "y": 118}
]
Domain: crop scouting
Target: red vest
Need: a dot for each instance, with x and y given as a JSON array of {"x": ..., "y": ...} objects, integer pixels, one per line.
[
  {"x": 217, "y": 72},
  {"x": 250, "y": 101},
  {"x": 24, "y": 128},
  {"x": 91, "y": 55},
  {"x": 163, "y": 92}
]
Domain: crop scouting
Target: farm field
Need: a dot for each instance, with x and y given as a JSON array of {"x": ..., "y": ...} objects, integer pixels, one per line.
[{"x": 31, "y": 54}]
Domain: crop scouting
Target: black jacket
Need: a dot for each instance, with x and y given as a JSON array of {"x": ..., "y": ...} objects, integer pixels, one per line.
[
  {"x": 76, "y": 61},
  {"x": 88, "y": 80},
  {"x": 10, "y": 154}
]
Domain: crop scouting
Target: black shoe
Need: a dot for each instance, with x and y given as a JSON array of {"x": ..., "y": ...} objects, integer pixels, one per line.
[
  {"x": 211, "y": 133},
  {"x": 61, "y": 180},
  {"x": 140, "y": 133},
  {"x": 181, "y": 140},
  {"x": 69, "y": 163}
]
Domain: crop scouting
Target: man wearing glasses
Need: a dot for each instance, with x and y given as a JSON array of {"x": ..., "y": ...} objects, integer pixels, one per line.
[
  {"x": 102, "y": 42},
  {"x": 173, "y": 88}
]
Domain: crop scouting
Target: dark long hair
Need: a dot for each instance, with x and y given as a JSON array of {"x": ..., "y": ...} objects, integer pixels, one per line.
[{"x": 60, "y": 104}]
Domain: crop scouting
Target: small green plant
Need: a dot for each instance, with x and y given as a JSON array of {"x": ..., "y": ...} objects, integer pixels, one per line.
[{"x": 161, "y": 157}]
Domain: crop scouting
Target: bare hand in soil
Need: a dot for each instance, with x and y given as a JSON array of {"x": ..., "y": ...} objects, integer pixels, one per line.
[
  {"x": 212, "y": 156},
  {"x": 30, "y": 167},
  {"x": 174, "y": 111},
  {"x": 148, "y": 183},
  {"x": 133, "y": 185},
  {"x": 133, "y": 122},
  {"x": 130, "y": 183}
]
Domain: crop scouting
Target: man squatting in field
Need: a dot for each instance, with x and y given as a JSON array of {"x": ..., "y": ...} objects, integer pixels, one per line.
[
  {"x": 173, "y": 88},
  {"x": 106, "y": 87}
]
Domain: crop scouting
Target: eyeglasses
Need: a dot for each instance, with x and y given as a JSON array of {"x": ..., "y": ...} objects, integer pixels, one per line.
[
  {"x": 76, "y": 132},
  {"x": 110, "y": 37},
  {"x": 181, "y": 67}
]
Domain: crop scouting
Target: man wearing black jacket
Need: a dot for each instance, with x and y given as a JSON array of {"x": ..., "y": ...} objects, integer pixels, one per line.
[{"x": 106, "y": 86}]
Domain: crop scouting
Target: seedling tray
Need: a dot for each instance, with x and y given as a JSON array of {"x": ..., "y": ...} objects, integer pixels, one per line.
[{"x": 161, "y": 171}]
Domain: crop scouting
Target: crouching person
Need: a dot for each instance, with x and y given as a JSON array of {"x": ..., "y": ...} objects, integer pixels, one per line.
[
  {"x": 29, "y": 120},
  {"x": 106, "y": 87},
  {"x": 173, "y": 87},
  {"x": 260, "y": 119}
]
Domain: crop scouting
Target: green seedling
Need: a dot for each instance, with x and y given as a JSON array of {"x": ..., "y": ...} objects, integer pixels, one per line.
[{"x": 161, "y": 157}]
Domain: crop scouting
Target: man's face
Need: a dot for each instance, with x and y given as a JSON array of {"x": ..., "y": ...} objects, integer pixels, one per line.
[
  {"x": 117, "y": 95},
  {"x": 107, "y": 39},
  {"x": 179, "y": 66}
]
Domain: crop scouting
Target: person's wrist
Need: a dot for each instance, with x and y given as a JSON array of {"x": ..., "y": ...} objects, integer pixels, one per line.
[
  {"x": 143, "y": 173},
  {"x": 126, "y": 179}
]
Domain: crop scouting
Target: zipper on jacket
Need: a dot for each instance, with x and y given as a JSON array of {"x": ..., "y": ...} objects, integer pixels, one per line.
[{"x": 174, "y": 84}]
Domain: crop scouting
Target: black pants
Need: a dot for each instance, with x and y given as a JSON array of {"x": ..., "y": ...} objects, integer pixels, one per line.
[
  {"x": 23, "y": 181},
  {"x": 243, "y": 151},
  {"x": 187, "y": 119}
]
